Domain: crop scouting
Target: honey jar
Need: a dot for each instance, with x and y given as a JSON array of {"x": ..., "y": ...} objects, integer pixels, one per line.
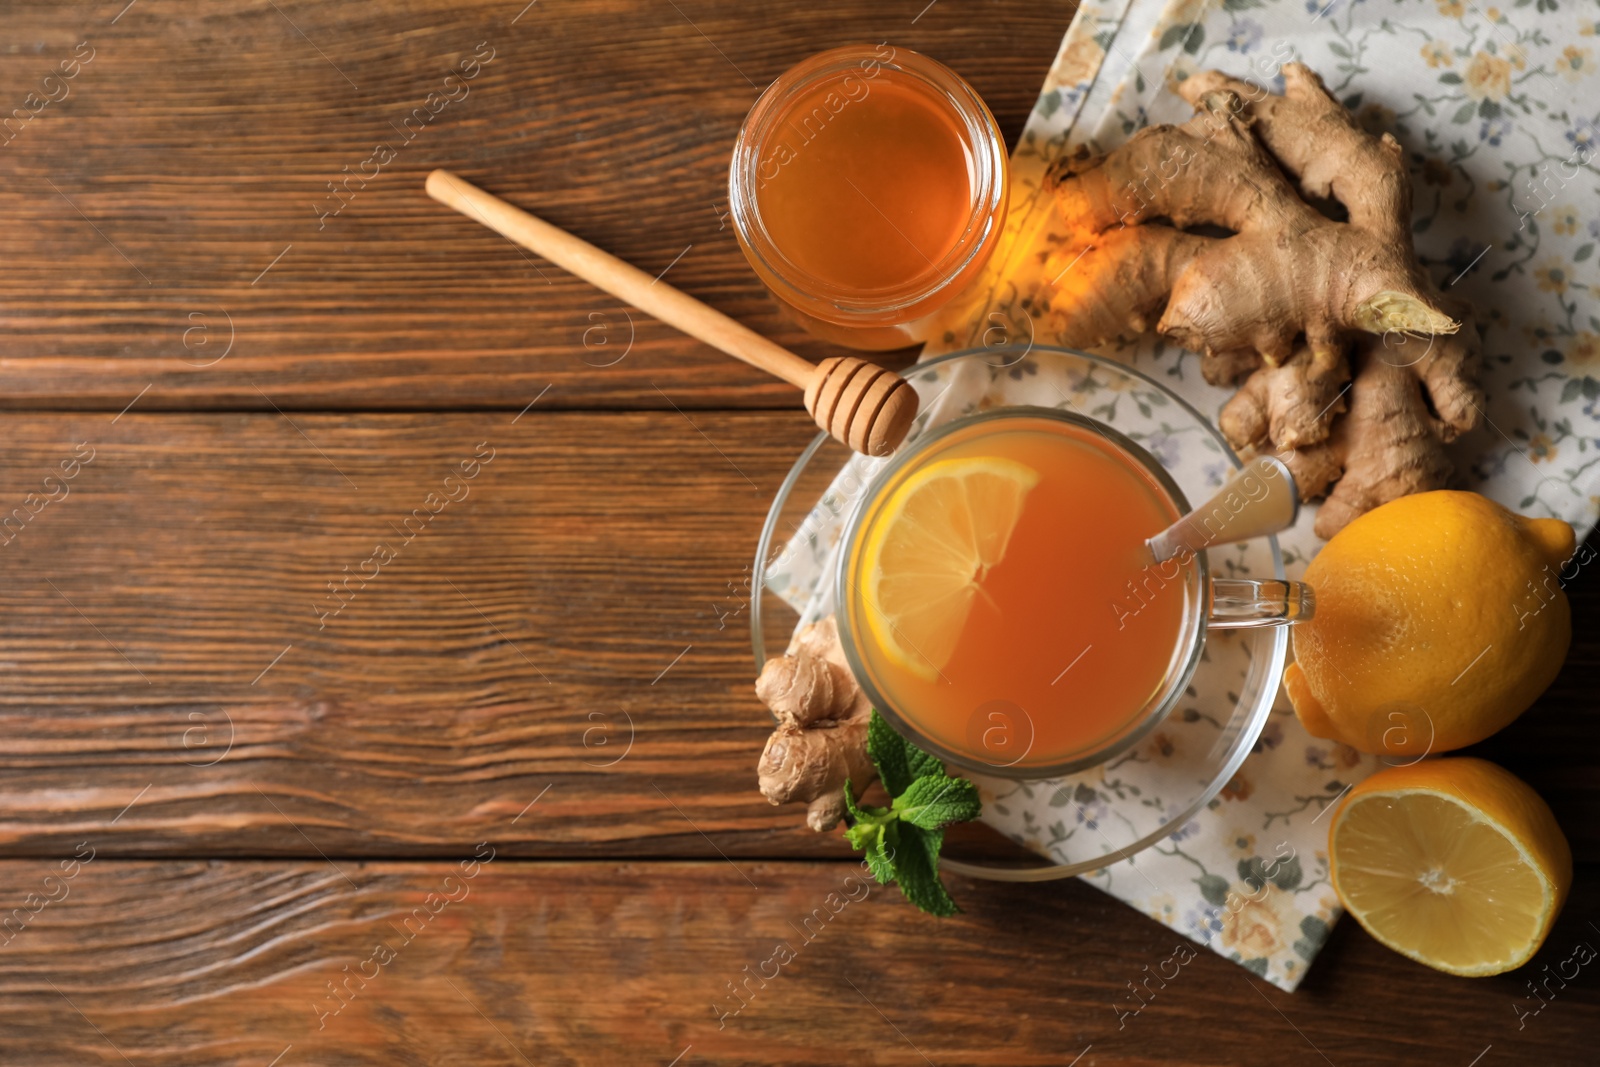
[{"x": 868, "y": 189}]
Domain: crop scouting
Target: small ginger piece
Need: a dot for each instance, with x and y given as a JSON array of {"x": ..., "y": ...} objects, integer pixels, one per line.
[
  {"x": 821, "y": 738},
  {"x": 1287, "y": 406},
  {"x": 1388, "y": 446},
  {"x": 1409, "y": 398},
  {"x": 811, "y": 767},
  {"x": 804, "y": 686}
]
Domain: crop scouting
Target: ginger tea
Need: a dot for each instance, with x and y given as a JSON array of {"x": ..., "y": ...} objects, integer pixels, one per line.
[{"x": 997, "y": 596}]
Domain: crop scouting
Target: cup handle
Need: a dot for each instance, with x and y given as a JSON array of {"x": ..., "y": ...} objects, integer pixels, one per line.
[{"x": 1240, "y": 603}]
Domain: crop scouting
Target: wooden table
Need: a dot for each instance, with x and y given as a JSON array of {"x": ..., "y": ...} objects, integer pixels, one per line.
[{"x": 275, "y": 348}]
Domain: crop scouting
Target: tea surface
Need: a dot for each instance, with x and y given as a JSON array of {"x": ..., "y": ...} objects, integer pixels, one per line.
[{"x": 1069, "y": 634}]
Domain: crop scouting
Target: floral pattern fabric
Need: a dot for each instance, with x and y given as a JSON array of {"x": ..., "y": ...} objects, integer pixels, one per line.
[{"x": 1498, "y": 108}]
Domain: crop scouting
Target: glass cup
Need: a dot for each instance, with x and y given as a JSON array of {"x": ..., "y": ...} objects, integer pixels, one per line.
[
  {"x": 1001, "y": 736},
  {"x": 1046, "y": 828}
]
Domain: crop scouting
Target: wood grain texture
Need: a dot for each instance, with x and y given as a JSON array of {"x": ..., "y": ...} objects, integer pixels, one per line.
[
  {"x": 149, "y": 206},
  {"x": 188, "y": 962},
  {"x": 592, "y": 574}
]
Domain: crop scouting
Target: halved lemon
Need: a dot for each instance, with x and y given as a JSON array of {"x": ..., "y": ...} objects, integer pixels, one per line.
[
  {"x": 1455, "y": 863},
  {"x": 940, "y": 533}
]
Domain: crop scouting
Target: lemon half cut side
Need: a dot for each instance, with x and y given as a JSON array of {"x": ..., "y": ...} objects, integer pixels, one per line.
[
  {"x": 940, "y": 533},
  {"x": 1455, "y": 863}
]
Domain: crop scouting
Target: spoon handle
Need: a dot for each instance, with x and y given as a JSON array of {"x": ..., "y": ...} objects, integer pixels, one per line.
[{"x": 1259, "y": 499}]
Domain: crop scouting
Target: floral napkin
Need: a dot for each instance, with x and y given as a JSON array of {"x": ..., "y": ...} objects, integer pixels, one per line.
[{"x": 1499, "y": 110}]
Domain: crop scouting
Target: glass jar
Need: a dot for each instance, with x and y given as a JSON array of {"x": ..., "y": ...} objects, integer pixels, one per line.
[{"x": 868, "y": 188}]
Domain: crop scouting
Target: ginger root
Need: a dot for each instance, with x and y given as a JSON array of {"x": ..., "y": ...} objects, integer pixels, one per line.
[
  {"x": 1284, "y": 298},
  {"x": 1388, "y": 445},
  {"x": 820, "y": 741}
]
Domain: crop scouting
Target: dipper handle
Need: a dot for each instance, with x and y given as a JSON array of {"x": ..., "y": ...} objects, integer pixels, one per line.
[{"x": 864, "y": 406}]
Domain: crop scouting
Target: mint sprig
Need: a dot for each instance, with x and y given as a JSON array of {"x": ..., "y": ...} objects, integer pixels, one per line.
[{"x": 902, "y": 841}]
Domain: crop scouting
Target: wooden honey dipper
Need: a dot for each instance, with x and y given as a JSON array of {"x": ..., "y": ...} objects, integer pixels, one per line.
[{"x": 860, "y": 404}]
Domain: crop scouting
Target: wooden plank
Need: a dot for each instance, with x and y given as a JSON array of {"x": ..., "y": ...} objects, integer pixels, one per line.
[
  {"x": 592, "y": 576},
  {"x": 294, "y": 963},
  {"x": 175, "y": 204}
]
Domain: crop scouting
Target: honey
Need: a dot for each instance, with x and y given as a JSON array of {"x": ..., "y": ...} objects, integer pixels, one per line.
[
  {"x": 868, "y": 189},
  {"x": 876, "y": 197}
]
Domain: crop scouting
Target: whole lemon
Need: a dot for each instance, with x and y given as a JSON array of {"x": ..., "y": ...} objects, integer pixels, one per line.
[{"x": 1439, "y": 618}]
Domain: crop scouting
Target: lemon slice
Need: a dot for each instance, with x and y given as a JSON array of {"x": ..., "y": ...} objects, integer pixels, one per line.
[
  {"x": 939, "y": 534},
  {"x": 1455, "y": 863}
]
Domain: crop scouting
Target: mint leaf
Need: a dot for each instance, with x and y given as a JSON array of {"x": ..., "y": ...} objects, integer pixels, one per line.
[
  {"x": 928, "y": 842},
  {"x": 922, "y": 764},
  {"x": 865, "y": 835},
  {"x": 888, "y": 752},
  {"x": 899, "y": 762},
  {"x": 902, "y": 841},
  {"x": 861, "y": 812},
  {"x": 880, "y": 856},
  {"x": 867, "y": 831},
  {"x": 932, "y": 803},
  {"x": 916, "y": 861}
]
